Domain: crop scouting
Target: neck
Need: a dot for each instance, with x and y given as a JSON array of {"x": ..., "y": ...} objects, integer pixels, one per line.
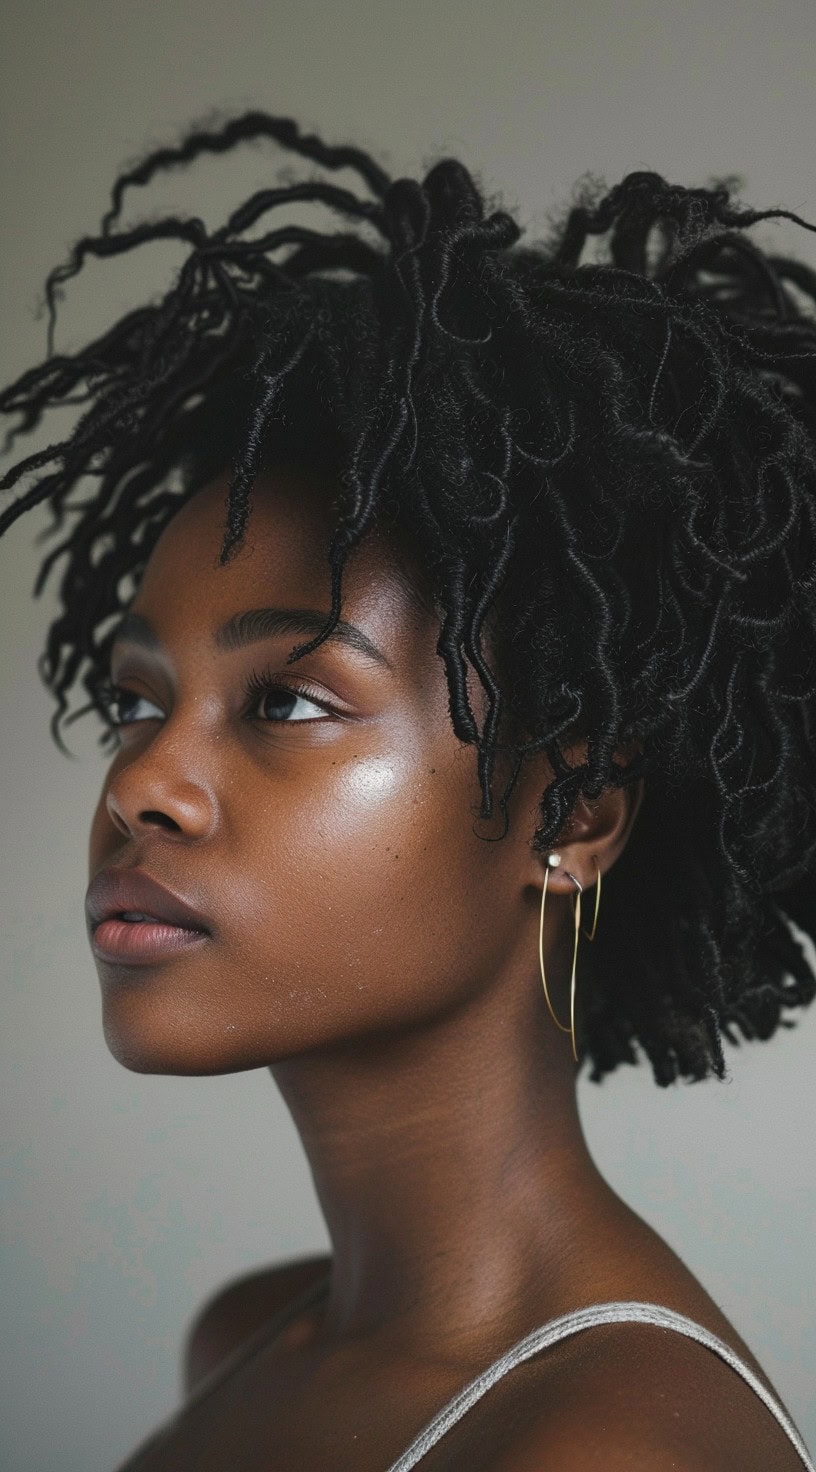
[{"x": 451, "y": 1169}]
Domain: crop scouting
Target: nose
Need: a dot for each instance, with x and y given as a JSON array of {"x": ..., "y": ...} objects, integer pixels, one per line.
[{"x": 160, "y": 789}]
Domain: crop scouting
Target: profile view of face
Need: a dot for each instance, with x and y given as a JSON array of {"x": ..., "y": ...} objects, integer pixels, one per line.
[{"x": 328, "y": 834}]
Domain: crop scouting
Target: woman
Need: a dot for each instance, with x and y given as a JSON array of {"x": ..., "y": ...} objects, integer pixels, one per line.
[{"x": 368, "y": 501}]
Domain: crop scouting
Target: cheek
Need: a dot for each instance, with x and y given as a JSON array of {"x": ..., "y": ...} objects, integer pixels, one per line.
[
  {"x": 351, "y": 897},
  {"x": 378, "y": 900}
]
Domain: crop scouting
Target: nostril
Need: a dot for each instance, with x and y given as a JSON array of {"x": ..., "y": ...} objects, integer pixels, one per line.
[{"x": 153, "y": 815}]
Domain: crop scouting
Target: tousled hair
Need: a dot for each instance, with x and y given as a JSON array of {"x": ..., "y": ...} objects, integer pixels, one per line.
[{"x": 607, "y": 468}]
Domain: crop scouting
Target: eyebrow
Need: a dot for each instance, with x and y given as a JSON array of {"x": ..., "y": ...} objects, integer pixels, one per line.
[{"x": 255, "y": 624}]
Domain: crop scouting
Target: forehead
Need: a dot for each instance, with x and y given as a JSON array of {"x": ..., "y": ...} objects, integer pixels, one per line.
[{"x": 284, "y": 558}]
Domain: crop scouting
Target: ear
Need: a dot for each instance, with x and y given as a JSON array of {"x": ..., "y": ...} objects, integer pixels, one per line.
[
  {"x": 595, "y": 835},
  {"x": 593, "y": 838}
]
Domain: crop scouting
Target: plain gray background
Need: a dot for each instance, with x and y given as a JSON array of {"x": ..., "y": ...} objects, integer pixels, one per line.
[{"x": 127, "y": 1199}]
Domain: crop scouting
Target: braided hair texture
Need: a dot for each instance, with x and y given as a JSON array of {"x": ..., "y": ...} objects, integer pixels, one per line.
[{"x": 607, "y": 467}]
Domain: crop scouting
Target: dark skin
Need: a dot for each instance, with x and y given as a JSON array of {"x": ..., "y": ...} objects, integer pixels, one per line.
[{"x": 381, "y": 958}]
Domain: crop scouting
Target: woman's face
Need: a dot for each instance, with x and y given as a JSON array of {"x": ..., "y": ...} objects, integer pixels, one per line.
[{"x": 329, "y": 838}]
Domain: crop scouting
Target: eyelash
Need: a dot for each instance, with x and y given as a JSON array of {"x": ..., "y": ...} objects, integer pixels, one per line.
[
  {"x": 256, "y": 685},
  {"x": 262, "y": 683}
]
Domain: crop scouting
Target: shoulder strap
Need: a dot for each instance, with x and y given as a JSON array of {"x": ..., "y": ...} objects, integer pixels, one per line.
[{"x": 573, "y": 1323}]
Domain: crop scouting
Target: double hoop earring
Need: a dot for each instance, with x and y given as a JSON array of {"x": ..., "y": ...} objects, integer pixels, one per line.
[{"x": 553, "y": 862}]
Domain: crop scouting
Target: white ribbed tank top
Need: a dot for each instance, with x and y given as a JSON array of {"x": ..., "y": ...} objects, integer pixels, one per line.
[{"x": 627, "y": 1312}]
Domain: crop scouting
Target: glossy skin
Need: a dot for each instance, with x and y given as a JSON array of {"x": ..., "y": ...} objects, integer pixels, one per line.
[
  {"x": 335, "y": 856},
  {"x": 382, "y": 959}
]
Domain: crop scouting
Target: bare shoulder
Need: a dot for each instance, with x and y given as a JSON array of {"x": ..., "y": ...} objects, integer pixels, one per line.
[
  {"x": 239, "y": 1310},
  {"x": 640, "y": 1398}
]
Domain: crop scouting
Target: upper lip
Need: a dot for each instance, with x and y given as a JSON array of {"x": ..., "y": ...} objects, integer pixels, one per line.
[{"x": 115, "y": 890}]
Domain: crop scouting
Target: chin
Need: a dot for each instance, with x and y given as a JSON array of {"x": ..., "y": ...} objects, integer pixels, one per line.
[{"x": 171, "y": 1045}]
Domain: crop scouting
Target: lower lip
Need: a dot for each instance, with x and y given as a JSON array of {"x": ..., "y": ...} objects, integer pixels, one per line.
[{"x": 135, "y": 941}]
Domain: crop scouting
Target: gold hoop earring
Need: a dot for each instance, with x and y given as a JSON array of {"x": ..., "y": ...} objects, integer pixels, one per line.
[
  {"x": 590, "y": 934},
  {"x": 553, "y": 861}
]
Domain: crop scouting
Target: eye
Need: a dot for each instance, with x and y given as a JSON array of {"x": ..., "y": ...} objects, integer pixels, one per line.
[
  {"x": 271, "y": 700},
  {"x": 120, "y": 705},
  {"x": 274, "y": 701}
]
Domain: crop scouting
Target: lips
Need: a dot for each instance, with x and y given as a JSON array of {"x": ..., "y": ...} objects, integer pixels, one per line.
[{"x": 116, "y": 892}]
